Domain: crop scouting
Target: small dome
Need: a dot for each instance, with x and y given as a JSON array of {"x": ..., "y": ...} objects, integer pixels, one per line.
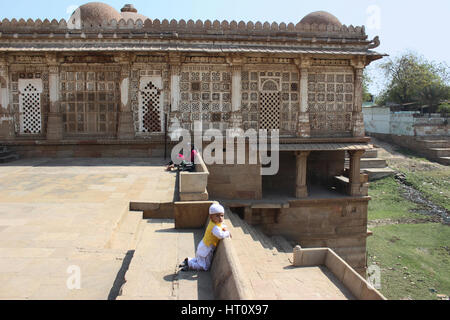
[
  {"x": 93, "y": 13},
  {"x": 130, "y": 12},
  {"x": 321, "y": 17}
]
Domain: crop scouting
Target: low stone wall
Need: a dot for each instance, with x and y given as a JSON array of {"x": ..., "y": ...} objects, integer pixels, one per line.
[
  {"x": 357, "y": 285},
  {"x": 193, "y": 185},
  {"x": 89, "y": 149},
  {"x": 339, "y": 224},
  {"x": 235, "y": 182},
  {"x": 191, "y": 214},
  {"x": 154, "y": 210},
  {"x": 229, "y": 280},
  {"x": 380, "y": 120}
]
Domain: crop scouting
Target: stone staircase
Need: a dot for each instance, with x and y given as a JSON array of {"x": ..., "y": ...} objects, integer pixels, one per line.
[
  {"x": 7, "y": 155},
  {"x": 153, "y": 271},
  {"x": 375, "y": 167},
  {"x": 267, "y": 262},
  {"x": 436, "y": 148}
]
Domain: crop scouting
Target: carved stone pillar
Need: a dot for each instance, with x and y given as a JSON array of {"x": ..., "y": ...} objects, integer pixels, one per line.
[
  {"x": 126, "y": 127},
  {"x": 6, "y": 112},
  {"x": 357, "y": 116},
  {"x": 301, "y": 186},
  {"x": 175, "y": 71},
  {"x": 303, "y": 126},
  {"x": 54, "y": 121},
  {"x": 355, "y": 172}
]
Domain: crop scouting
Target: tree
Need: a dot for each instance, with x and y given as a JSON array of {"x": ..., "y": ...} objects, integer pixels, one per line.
[
  {"x": 367, "y": 96},
  {"x": 412, "y": 79}
]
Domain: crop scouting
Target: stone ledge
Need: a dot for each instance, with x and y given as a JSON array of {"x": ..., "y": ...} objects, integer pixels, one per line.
[{"x": 357, "y": 285}]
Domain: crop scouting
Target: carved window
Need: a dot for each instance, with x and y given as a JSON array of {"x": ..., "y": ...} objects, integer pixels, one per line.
[
  {"x": 330, "y": 102},
  {"x": 205, "y": 96},
  {"x": 150, "y": 105},
  {"x": 90, "y": 101},
  {"x": 270, "y": 110},
  {"x": 278, "y": 110},
  {"x": 30, "y": 113}
]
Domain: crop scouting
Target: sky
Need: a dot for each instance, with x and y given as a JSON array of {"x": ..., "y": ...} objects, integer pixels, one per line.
[{"x": 415, "y": 25}]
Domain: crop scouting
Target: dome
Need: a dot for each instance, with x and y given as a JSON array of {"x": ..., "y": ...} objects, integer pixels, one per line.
[
  {"x": 130, "y": 12},
  {"x": 321, "y": 17},
  {"x": 93, "y": 13}
]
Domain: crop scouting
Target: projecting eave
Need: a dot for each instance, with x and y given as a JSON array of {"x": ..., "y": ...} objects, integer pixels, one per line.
[{"x": 166, "y": 46}]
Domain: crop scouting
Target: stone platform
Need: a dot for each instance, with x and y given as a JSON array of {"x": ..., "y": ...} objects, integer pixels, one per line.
[{"x": 58, "y": 213}]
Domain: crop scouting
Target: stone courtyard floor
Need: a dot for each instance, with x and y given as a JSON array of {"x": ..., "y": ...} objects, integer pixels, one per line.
[{"x": 58, "y": 216}]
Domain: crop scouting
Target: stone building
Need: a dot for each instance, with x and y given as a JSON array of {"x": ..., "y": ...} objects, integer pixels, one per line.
[{"x": 105, "y": 84}]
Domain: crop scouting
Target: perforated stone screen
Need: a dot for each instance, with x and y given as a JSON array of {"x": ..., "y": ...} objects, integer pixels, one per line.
[
  {"x": 330, "y": 102},
  {"x": 29, "y": 97},
  {"x": 270, "y": 110},
  {"x": 150, "y": 96},
  {"x": 282, "y": 116},
  {"x": 30, "y": 106},
  {"x": 150, "y": 105},
  {"x": 90, "y": 99},
  {"x": 205, "y": 96}
]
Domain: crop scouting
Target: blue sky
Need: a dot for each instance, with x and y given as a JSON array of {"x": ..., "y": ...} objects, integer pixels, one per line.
[{"x": 417, "y": 25}]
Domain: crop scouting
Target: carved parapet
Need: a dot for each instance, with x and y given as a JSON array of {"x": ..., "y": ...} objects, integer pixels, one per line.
[{"x": 180, "y": 26}]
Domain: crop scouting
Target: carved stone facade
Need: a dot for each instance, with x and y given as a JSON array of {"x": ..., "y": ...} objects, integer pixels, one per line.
[
  {"x": 105, "y": 86},
  {"x": 303, "y": 79}
]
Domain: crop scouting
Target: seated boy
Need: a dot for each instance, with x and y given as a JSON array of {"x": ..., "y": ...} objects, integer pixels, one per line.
[{"x": 215, "y": 231}]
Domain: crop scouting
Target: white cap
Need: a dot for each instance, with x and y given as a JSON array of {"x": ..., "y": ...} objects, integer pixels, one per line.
[{"x": 216, "y": 208}]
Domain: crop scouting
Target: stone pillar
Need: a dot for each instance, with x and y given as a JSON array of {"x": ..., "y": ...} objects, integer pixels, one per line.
[
  {"x": 236, "y": 95},
  {"x": 303, "y": 126},
  {"x": 355, "y": 172},
  {"x": 7, "y": 131},
  {"x": 357, "y": 116},
  {"x": 175, "y": 71},
  {"x": 54, "y": 121},
  {"x": 301, "y": 187},
  {"x": 125, "y": 129}
]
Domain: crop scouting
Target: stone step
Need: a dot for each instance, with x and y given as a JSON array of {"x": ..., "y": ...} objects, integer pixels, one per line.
[
  {"x": 249, "y": 230},
  {"x": 444, "y": 160},
  {"x": 284, "y": 247},
  {"x": 439, "y": 143},
  {"x": 369, "y": 154},
  {"x": 372, "y": 153},
  {"x": 153, "y": 271},
  {"x": 378, "y": 173},
  {"x": 126, "y": 234},
  {"x": 238, "y": 226},
  {"x": 370, "y": 163},
  {"x": 256, "y": 236},
  {"x": 8, "y": 158},
  {"x": 440, "y": 152}
]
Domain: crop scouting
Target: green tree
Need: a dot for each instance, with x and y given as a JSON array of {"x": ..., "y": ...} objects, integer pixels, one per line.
[
  {"x": 413, "y": 79},
  {"x": 367, "y": 80}
]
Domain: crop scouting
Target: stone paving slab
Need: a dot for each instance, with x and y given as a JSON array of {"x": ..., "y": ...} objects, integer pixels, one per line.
[
  {"x": 57, "y": 213},
  {"x": 153, "y": 272}
]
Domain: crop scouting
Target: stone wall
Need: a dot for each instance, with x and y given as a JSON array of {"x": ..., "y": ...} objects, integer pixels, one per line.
[
  {"x": 408, "y": 123},
  {"x": 235, "y": 182},
  {"x": 324, "y": 165},
  {"x": 339, "y": 224},
  {"x": 80, "y": 149}
]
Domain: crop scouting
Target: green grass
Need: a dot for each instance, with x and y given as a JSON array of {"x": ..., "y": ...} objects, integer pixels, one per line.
[
  {"x": 424, "y": 249},
  {"x": 435, "y": 185},
  {"x": 387, "y": 201}
]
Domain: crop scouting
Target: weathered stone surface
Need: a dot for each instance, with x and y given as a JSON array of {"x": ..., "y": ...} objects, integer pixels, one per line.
[{"x": 189, "y": 215}]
